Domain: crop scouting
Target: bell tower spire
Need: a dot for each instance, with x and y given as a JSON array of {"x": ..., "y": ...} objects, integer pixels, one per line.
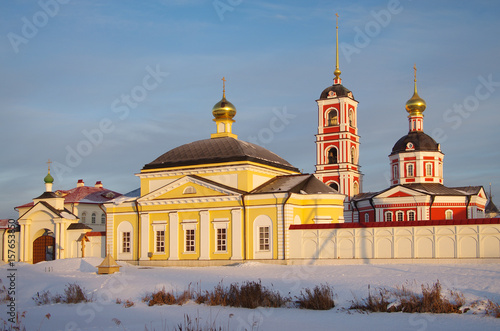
[
  {"x": 337, "y": 141},
  {"x": 337, "y": 71},
  {"x": 223, "y": 112},
  {"x": 415, "y": 107}
]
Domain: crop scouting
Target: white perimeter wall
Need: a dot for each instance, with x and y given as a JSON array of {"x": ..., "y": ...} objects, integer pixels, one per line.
[{"x": 439, "y": 241}]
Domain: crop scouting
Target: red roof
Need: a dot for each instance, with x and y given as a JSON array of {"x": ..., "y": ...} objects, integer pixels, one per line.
[
  {"x": 84, "y": 194},
  {"x": 4, "y": 224}
]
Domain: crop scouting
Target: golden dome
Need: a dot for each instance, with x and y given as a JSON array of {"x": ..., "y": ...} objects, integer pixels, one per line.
[
  {"x": 224, "y": 109},
  {"x": 416, "y": 105}
]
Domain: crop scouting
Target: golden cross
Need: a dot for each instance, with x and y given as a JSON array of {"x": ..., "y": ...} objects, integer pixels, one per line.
[
  {"x": 224, "y": 86},
  {"x": 49, "y": 162},
  {"x": 415, "y": 71},
  {"x": 336, "y": 14}
]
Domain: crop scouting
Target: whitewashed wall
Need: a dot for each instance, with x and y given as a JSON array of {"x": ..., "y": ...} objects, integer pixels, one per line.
[{"x": 412, "y": 242}]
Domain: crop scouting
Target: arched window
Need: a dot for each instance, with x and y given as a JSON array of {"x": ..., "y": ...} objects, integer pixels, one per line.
[
  {"x": 189, "y": 190},
  {"x": 335, "y": 186},
  {"x": 351, "y": 118},
  {"x": 84, "y": 217},
  {"x": 333, "y": 117},
  {"x": 103, "y": 218},
  {"x": 356, "y": 188},
  {"x": 399, "y": 216},
  {"x": 428, "y": 169},
  {"x": 409, "y": 170},
  {"x": 395, "y": 172},
  {"x": 449, "y": 214},
  {"x": 367, "y": 217},
  {"x": 388, "y": 216},
  {"x": 93, "y": 218},
  {"x": 332, "y": 155},
  {"x": 411, "y": 215},
  {"x": 353, "y": 155}
]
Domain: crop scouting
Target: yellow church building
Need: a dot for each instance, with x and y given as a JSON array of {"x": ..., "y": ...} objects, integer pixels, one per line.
[{"x": 217, "y": 200}]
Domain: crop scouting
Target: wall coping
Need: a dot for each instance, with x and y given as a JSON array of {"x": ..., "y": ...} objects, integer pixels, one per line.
[{"x": 474, "y": 221}]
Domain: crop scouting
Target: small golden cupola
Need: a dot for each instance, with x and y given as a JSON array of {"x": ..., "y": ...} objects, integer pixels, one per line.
[
  {"x": 415, "y": 107},
  {"x": 224, "y": 112}
]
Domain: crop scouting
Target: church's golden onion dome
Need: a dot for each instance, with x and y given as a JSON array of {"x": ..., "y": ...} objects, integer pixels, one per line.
[
  {"x": 224, "y": 109},
  {"x": 416, "y": 105}
]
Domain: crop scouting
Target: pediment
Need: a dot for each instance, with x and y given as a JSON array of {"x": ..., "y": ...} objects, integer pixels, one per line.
[
  {"x": 189, "y": 187},
  {"x": 51, "y": 212},
  {"x": 399, "y": 192}
]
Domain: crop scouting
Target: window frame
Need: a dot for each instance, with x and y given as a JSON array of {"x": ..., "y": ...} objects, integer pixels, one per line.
[
  {"x": 413, "y": 216},
  {"x": 264, "y": 241},
  {"x": 126, "y": 242},
  {"x": 190, "y": 241},
  {"x": 400, "y": 216},
  {"x": 408, "y": 172},
  {"x": 93, "y": 218},
  {"x": 388, "y": 216},
  {"x": 221, "y": 240},
  {"x": 160, "y": 241}
]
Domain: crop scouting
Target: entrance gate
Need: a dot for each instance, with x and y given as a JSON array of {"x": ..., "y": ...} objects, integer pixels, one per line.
[{"x": 43, "y": 249}]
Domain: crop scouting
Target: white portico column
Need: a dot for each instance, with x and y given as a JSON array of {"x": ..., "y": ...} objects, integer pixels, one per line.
[
  {"x": 57, "y": 245},
  {"x": 144, "y": 240},
  {"x": 236, "y": 235},
  {"x": 204, "y": 235},
  {"x": 173, "y": 236}
]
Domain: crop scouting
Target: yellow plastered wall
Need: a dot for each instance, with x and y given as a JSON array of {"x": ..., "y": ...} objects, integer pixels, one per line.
[
  {"x": 120, "y": 218},
  {"x": 159, "y": 217},
  {"x": 245, "y": 180},
  {"x": 184, "y": 216},
  {"x": 218, "y": 215},
  {"x": 252, "y": 214}
]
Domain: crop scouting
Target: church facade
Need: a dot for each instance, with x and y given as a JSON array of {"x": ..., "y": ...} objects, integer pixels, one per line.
[
  {"x": 218, "y": 199},
  {"x": 64, "y": 223}
]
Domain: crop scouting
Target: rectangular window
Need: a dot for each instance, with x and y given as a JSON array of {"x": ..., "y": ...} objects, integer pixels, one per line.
[
  {"x": 190, "y": 239},
  {"x": 428, "y": 169},
  {"x": 264, "y": 238},
  {"x": 126, "y": 242},
  {"x": 411, "y": 216},
  {"x": 160, "y": 241},
  {"x": 410, "y": 170},
  {"x": 221, "y": 240}
]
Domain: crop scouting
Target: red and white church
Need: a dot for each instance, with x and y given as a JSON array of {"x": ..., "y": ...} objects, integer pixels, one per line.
[{"x": 417, "y": 191}]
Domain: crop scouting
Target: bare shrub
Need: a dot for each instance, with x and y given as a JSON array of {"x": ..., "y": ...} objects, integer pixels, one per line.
[
  {"x": 4, "y": 294},
  {"x": 162, "y": 297},
  {"x": 404, "y": 300},
  {"x": 250, "y": 294},
  {"x": 378, "y": 302},
  {"x": 319, "y": 298},
  {"x": 73, "y": 293},
  {"x": 492, "y": 309}
]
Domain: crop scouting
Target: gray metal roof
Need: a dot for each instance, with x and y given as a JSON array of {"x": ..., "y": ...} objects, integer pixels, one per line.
[
  {"x": 225, "y": 149},
  {"x": 295, "y": 184}
]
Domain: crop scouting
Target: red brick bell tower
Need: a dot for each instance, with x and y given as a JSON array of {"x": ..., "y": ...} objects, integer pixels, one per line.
[{"x": 337, "y": 141}]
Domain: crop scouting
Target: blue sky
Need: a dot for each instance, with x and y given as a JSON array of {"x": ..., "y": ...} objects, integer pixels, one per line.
[{"x": 104, "y": 87}]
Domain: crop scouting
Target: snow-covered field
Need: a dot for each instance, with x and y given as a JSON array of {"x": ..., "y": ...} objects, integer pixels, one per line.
[{"x": 475, "y": 281}]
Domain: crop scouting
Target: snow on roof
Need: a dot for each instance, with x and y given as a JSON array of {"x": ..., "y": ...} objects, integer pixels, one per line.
[
  {"x": 83, "y": 194},
  {"x": 68, "y": 216}
]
